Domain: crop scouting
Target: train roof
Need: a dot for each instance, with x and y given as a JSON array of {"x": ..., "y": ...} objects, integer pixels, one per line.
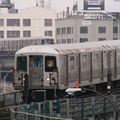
[
  {"x": 26, "y": 38},
  {"x": 71, "y": 48}
]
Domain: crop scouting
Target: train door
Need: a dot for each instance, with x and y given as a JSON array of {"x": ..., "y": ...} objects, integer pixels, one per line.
[
  {"x": 112, "y": 62},
  {"x": 86, "y": 67},
  {"x": 97, "y": 67},
  {"x": 64, "y": 70},
  {"x": 118, "y": 62},
  {"x": 109, "y": 62},
  {"x": 73, "y": 68},
  {"x": 36, "y": 70}
]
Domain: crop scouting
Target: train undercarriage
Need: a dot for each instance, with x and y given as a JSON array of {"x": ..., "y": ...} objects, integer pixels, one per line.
[{"x": 37, "y": 95}]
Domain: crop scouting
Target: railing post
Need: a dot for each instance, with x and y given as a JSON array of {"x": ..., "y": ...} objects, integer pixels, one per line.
[
  {"x": 15, "y": 98},
  {"x": 93, "y": 108},
  {"x": 104, "y": 109},
  {"x": 58, "y": 108},
  {"x": 50, "y": 107},
  {"x": 12, "y": 115},
  {"x": 114, "y": 101},
  {"x": 68, "y": 105},
  {"x": 4, "y": 100},
  {"x": 18, "y": 109},
  {"x": 82, "y": 110},
  {"x": 36, "y": 109}
]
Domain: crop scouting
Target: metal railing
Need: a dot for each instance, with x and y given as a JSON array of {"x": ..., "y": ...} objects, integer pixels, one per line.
[
  {"x": 17, "y": 115},
  {"x": 10, "y": 99},
  {"x": 67, "y": 109},
  {"x": 64, "y": 109}
]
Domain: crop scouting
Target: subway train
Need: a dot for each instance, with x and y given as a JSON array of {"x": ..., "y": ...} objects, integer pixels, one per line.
[
  {"x": 14, "y": 44},
  {"x": 54, "y": 68}
]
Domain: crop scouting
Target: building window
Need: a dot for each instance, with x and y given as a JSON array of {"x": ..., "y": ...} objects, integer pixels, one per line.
[
  {"x": 58, "y": 41},
  {"x": 48, "y": 33},
  {"x": 69, "y": 31},
  {"x": 83, "y": 39},
  {"x": 115, "y": 38},
  {"x": 83, "y": 29},
  {"x": 72, "y": 29},
  {"x": 48, "y": 22},
  {"x": 63, "y": 31},
  {"x": 68, "y": 40},
  {"x": 1, "y": 34},
  {"x": 26, "y": 22},
  {"x": 115, "y": 29},
  {"x": 13, "y": 34},
  {"x": 72, "y": 40},
  {"x": 1, "y": 22},
  {"x": 63, "y": 41},
  {"x": 101, "y": 39},
  {"x": 58, "y": 31},
  {"x": 13, "y": 22},
  {"x": 26, "y": 33},
  {"x": 102, "y": 29}
]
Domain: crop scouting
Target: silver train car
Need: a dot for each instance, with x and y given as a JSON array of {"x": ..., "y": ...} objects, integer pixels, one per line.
[
  {"x": 59, "y": 66},
  {"x": 14, "y": 44}
]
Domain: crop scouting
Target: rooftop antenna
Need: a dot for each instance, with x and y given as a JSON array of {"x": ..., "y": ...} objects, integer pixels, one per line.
[
  {"x": 37, "y": 3},
  {"x": 41, "y": 3},
  {"x": 49, "y": 4},
  {"x": 75, "y": 6}
]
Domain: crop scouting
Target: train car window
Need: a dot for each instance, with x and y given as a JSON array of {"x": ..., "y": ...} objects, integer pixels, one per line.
[
  {"x": 112, "y": 58},
  {"x": 22, "y": 63},
  {"x": 50, "y": 63},
  {"x": 84, "y": 62},
  {"x": 118, "y": 58},
  {"x": 96, "y": 60},
  {"x": 42, "y": 42},
  {"x": 37, "y": 62},
  {"x": 71, "y": 62}
]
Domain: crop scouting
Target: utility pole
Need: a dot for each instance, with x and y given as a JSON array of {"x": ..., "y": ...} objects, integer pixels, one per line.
[{"x": 26, "y": 89}]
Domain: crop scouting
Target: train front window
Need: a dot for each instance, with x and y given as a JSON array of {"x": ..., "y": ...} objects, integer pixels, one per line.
[
  {"x": 37, "y": 62},
  {"x": 50, "y": 63},
  {"x": 22, "y": 63}
]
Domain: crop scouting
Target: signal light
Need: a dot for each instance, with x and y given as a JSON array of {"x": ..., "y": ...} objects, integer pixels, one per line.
[
  {"x": 108, "y": 85},
  {"x": 77, "y": 84}
]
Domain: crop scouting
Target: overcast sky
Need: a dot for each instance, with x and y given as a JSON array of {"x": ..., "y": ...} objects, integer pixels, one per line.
[{"x": 58, "y": 5}]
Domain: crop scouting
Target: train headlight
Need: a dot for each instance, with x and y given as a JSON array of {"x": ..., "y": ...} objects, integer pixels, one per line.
[
  {"x": 108, "y": 85},
  {"x": 48, "y": 79}
]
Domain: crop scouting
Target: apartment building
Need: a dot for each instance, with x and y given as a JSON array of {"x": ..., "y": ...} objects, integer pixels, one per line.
[
  {"x": 77, "y": 28},
  {"x": 31, "y": 22}
]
